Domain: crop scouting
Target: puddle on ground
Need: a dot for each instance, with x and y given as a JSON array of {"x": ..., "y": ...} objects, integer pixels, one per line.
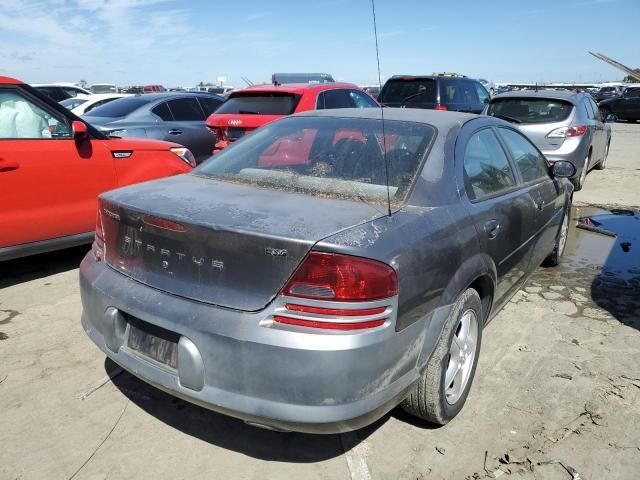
[{"x": 599, "y": 276}]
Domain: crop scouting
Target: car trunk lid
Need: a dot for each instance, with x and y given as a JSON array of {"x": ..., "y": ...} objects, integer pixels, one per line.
[{"x": 217, "y": 242}]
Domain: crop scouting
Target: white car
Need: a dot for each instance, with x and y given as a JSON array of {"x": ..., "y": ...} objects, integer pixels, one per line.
[{"x": 82, "y": 104}]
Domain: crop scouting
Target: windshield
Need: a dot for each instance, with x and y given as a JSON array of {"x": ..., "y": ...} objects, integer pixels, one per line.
[
  {"x": 530, "y": 110},
  {"x": 415, "y": 90},
  {"x": 73, "y": 102},
  {"x": 260, "y": 103},
  {"x": 119, "y": 108},
  {"x": 327, "y": 156}
]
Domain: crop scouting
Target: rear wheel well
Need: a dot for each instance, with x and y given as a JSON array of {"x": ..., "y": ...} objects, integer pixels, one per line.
[{"x": 484, "y": 286}]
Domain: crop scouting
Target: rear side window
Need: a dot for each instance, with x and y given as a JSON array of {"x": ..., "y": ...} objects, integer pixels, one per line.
[
  {"x": 120, "y": 108},
  {"x": 209, "y": 105},
  {"x": 362, "y": 100},
  {"x": 260, "y": 103},
  {"x": 530, "y": 110},
  {"x": 482, "y": 93},
  {"x": 72, "y": 103},
  {"x": 632, "y": 92},
  {"x": 54, "y": 93},
  {"x": 486, "y": 168},
  {"x": 337, "y": 98},
  {"x": 457, "y": 91},
  {"x": 162, "y": 111},
  {"x": 530, "y": 162},
  {"x": 409, "y": 90},
  {"x": 70, "y": 92},
  {"x": 185, "y": 110},
  {"x": 98, "y": 104}
]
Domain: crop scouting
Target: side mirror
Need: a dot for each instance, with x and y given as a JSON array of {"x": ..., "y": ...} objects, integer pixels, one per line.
[
  {"x": 611, "y": 118},
  {"x": 563, "y": 169},
  {"x": 80, "y": 131}
]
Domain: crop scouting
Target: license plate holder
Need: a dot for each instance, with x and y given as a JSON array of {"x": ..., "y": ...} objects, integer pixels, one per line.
[{"x": 153, "y": 342}]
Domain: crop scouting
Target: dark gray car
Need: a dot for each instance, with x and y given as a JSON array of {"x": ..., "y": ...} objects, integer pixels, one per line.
[
  {"x": 173, "y": 116},
  {"x": 325, "y": 268}
]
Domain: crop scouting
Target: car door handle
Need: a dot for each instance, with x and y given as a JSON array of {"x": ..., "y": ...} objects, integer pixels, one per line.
[
  {"x": 491, "y": 228},
  {"x": 8, "y": 166},
  {"x": 175, "y": 131},
  {"x": 539, "y": 203}
]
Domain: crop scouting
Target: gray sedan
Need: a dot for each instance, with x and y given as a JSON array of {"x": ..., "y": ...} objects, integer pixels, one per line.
[
  {"x": 564, "y": 125},
  {"x": 327, "y": 267},
  {"x": 175, "y": 117}
]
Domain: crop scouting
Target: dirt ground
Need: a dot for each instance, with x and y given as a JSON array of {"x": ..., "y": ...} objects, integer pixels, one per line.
[{"x": 558, "y": 381}]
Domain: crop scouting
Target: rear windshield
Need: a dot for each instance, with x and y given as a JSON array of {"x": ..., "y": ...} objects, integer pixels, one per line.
[
  {"x": 327, "y": 156},
  {"x": 417, "y": 90},
  {"x": 73, "y": 102},
  {"x": 530, "y": 110},
  {"x": 119, "y": 108},
  {"x": 263, "y": 103}
]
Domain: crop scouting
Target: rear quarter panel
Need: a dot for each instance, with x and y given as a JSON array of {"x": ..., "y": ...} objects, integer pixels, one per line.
[{"x": 144, "y": 163}]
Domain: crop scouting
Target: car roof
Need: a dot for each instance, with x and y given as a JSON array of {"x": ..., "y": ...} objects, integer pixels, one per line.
[
  {"x": 551, "y": 94},
  {"x": 425, "y": 77},
  {"x": 9, "y": 80},
  {"x": 298, "y": 88},
  {"x": 161, "y": 95},
  {"x": 439, "y": 119}
]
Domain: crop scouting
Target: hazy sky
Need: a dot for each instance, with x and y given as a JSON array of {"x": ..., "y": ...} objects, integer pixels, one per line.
[{"x": 178, "y": 43}]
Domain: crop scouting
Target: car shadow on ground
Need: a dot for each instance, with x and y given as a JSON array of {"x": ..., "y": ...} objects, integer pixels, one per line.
[
  {"x": 32, "y": 267},
  {"x": 233, "y": 434},
  {"x": 616, "y": 288}
]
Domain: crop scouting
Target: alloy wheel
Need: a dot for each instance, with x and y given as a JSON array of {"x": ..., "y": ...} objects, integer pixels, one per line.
[{"x": 462, "y": 354}]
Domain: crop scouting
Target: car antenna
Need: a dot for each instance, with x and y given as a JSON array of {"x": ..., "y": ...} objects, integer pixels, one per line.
[{"x": 384, "y": 136}]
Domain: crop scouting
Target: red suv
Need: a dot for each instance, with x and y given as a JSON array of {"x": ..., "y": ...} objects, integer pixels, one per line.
[
  {"x": 53, "y": 166},
  {"x": 250, "y": 108}
]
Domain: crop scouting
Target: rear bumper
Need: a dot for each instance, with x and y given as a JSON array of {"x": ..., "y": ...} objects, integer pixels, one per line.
[
  {"x": 285, "y": 378},
  {"x": 573, "y": 150}
]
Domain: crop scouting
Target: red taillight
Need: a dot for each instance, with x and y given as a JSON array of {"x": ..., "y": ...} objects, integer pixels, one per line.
[
  {"x": 98, "y": 252},
  {"x": 442, "y": 108},
  {"x": 329, "y": 325},
  {"x": 335, "y": 311},
  {"x": 164, "y": 223},
  {"x": 328, "y": 276},
  {"x": 99, "y": 230},
  {"x": 576, "y": 131}
]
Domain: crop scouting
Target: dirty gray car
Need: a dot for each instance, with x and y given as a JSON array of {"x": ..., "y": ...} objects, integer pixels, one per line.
[
  {"x": 564, "y": 125},
  {"x": 326, "y": 268}
]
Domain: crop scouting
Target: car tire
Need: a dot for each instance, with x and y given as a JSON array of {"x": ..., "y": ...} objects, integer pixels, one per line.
[
  {"x": 555, "y": 256},
  {"x": 603, "y": 163},
  {"x": 578, "y": 183},
  {"x": 432, "y": 398},
  {"x": 604, "y": 112}
]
